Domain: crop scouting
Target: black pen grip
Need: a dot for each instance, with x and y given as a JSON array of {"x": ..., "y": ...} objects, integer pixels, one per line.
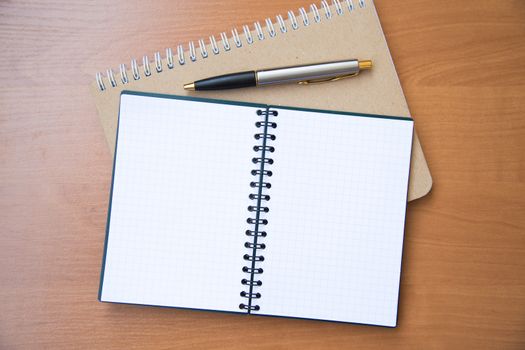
[{"x": 227, "y": 81}]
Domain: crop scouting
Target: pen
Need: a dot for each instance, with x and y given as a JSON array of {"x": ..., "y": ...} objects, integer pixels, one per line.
[{"x": 308, "y": 74}]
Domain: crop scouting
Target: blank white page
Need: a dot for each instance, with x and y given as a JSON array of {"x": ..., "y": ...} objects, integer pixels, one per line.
[
  {"x": 178, "y": 208},
  {"x": 336, "y": 219}
]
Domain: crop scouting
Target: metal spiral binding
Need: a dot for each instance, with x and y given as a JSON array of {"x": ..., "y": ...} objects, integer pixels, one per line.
[
  {"x": 258, "y": 209},
  {"x": 316, "y": 15}
]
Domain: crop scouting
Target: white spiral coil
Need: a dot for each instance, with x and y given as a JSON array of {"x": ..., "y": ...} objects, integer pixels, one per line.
[
  {"x": 191, "y": 51},
  {"x": 258, "y": 30},
  {"x": 225, "y": 42},
  {"x": 317, "y": 14}
]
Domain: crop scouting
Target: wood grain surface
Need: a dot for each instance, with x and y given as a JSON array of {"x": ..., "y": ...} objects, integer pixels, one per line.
[{"x": 462, "y": 65}]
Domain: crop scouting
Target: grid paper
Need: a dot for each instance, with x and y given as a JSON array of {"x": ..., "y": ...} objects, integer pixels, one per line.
[
  {"x": 336, "y": 220},
  {"x": 179, "y": 204}
]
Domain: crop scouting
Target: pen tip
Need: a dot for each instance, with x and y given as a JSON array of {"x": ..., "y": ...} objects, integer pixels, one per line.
[
  {"x": 190, "y": 86},
  {"x": 366, "y": 64}
]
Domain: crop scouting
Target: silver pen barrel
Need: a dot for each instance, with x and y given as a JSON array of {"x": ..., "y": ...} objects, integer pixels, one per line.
[{"x": 311, "y": 73}]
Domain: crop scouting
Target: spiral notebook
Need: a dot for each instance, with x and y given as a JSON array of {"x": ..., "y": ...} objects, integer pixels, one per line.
[
  {"x": 257, "y": 209},
  {"x": 345, "y": 29}
]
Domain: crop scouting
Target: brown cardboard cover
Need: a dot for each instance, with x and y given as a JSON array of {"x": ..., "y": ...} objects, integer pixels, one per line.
[{"x": 353, "y": 34}]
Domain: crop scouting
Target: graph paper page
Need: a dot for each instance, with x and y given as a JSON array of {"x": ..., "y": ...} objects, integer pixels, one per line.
[
  {"x": 178, "y": 209},
  {"x": 336, "y": 220}
]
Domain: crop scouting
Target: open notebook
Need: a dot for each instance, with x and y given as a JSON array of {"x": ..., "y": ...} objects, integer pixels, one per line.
[{"x": 257, "y": 209}]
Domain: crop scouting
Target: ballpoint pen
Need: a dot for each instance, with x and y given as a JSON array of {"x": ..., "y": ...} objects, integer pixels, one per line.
[{"x": 307, "y": 74}]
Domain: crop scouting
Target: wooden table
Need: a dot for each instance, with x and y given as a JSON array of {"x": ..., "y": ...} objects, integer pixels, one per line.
[{"x": 462, "y": 66}]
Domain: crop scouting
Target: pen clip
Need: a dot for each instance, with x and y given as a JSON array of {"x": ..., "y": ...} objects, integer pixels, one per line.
[{"x": 326, "y": 80}]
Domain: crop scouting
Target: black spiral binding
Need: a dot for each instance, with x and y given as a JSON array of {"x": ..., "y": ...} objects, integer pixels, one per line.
[{"x": 256, "y": 233}]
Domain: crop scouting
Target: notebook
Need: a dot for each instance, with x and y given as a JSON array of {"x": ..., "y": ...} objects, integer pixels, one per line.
[
  {"x": 257, "y": 209},
  {"x": 318, "y": 33}
]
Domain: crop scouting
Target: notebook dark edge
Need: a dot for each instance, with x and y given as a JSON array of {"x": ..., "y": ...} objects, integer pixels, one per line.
[
  {"x": 103, "y": 267},
  {"x": 256, "y": 105},
  {"x": 404, "y": 231}
]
